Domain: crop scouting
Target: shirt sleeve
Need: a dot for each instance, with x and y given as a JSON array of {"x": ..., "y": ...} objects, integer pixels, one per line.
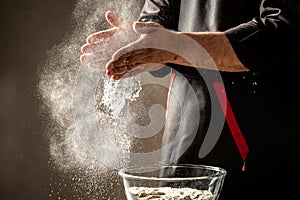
[
  {"x": 164, "y": 12},
  {"x": 270, "y": 39}
]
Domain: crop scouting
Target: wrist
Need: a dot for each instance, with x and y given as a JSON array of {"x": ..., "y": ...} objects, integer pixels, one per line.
[{"x": 218, "y": 47}]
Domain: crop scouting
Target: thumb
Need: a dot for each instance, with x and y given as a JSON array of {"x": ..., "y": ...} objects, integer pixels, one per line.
[
  {"x": 146, "y": 27},
  {"x": 116, "y": 21}
]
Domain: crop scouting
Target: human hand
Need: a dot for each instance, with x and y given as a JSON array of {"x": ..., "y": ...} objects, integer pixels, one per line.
[
  {"x": 100, "y": 46},
  {"x": 138, "y": 57}
]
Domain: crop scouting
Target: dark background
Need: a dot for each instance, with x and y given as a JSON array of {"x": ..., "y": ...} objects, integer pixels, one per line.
[{"x": 28, "y": 29}]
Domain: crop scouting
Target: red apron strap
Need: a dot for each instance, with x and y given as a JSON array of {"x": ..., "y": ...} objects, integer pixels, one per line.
[{"x": 231, "y": 121}]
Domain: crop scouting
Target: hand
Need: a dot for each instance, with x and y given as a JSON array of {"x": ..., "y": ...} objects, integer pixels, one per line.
[
  {"x": 100, "y": 46},
  {"x": 209, "y": 50},
  {"x": 137, "y": 57}
]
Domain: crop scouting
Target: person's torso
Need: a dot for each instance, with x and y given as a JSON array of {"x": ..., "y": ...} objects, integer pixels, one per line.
[{"x": 215, "y": 15}]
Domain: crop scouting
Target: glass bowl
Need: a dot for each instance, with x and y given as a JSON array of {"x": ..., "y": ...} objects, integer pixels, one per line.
[{"x": 161, "y": 182}]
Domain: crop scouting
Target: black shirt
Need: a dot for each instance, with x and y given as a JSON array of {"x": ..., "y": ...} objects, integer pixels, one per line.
[{"x": 265, "y": 37}]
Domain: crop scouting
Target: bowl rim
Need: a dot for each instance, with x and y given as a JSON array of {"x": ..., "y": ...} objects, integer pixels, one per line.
[{"x": 124, "y": 174}]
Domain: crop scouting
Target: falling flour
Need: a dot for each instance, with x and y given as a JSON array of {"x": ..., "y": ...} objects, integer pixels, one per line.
[
  {"x": 115, "y": 95},
  {"x": 73, "y": 165}
]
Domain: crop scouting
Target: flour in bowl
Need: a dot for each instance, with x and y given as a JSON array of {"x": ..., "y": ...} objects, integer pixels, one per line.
[{"x": 168, "y": 193}]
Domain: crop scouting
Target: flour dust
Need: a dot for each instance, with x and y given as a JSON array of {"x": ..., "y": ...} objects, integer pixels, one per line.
[{"x": 73, "y": 163}]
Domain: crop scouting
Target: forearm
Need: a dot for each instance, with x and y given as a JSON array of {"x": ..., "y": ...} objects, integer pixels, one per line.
[{"x": 218, "y": 47}]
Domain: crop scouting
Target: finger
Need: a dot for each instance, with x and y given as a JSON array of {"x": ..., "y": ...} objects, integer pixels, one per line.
[
  {"x": 140, "y": 68},
  {"x": 134, "y": 59},
  {"x": 89, "y": 57},
  {"x": 83, "y": 58},
  {"x": 85, "y": 48},
  {"x": 98, "y": 37},
  {"x": 128, "y": 74},
  {"x": 116, "y": 21},
  {"x": 137, "y": 70},
  {"x": 90, "y": 48},
  {"x": 117, "y": 77},
  {"x": 145, "y": 27},
  {"x": 119, "y": 70},
  {"x": 123, "y": 69}
]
